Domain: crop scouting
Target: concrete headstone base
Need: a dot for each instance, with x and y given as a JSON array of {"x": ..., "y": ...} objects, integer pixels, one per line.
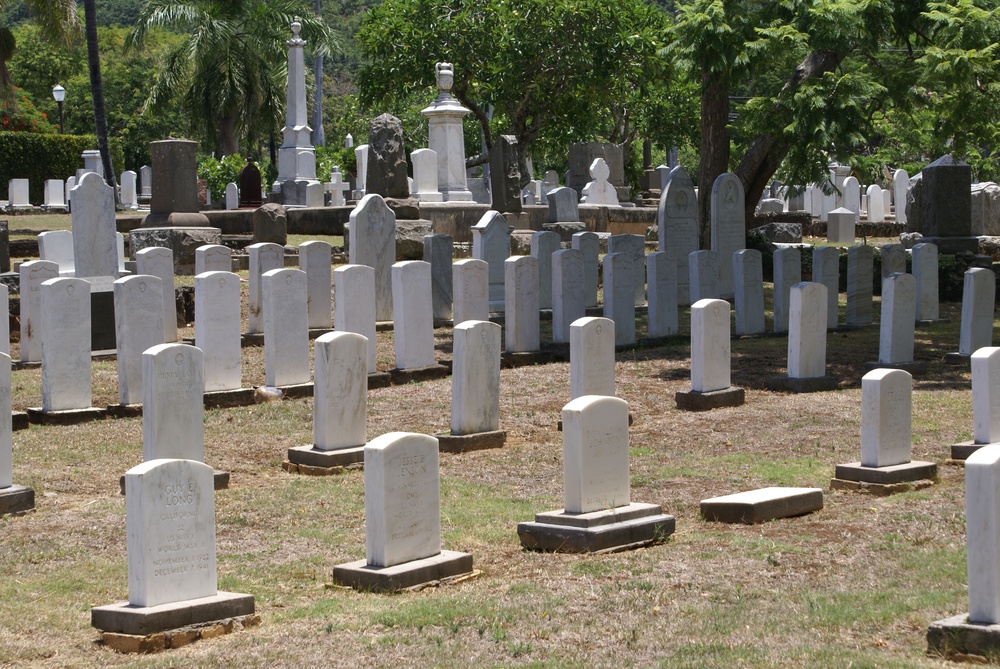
[
  {"x": 760, "y": 506},
  {"x": 464, "y": 443},
  {"x": 956, "y": 636},
  {"x": 815, "y": 384},
  {"x": 445, "y": 566},
  {"x": 692, "y": 400},
  {"x": 123, "y": 618},
  {"x": 605, "y": 531},
  {"x": 879, "y": 489},
  {"x": 511, "y": 360},
  {"x": 177, "y": 638},
  {"x": 401, "y": 376},
  {"x": 961, "y": 451},
  {"x": 19, "y": 420},
  {"x": 16, "y": 499},
  {"x": 124, "y": 410},
  {"x": 904, "y": 473},
  {"x": 311, "y": 456},
  {"x": 309, "y": 470},
  {"x": 914, "y": 367},
  {"x": 67, "y": 417},
  {"x": 958, "y": 359}
]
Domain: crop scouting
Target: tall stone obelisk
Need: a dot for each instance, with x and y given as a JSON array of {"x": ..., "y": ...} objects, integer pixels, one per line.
[
  {"x": 445, "y": 136},
  {"x": 296, "y": 157}
]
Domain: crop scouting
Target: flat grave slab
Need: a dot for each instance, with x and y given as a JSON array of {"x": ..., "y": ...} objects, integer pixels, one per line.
[
  {"x": 67, "y": 417},
  {"x": 311, "y": 456},
  {"x": 816, "y": 384},
  {"x": 16, "y": 499},
  {"x": 961, "y": 451},
  {"x": 465, "y": 443},
  {"x": 429, "y": 373},
  {"x": 606, "y": 531},
  {"x": 691, "y": 400},
  {"x": 445, "y": 566},
  {"x": 759, "y": 506},
  {"x": 904, "y": 473}
]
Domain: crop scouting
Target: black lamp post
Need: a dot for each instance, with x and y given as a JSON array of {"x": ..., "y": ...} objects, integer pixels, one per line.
[{"x": 59, "y": 93}]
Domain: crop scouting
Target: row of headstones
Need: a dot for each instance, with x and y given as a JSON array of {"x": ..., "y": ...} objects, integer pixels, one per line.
[{"x": 57, "y": 194}]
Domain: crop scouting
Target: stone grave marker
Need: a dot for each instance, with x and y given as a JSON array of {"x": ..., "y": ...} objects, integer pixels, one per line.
[
  {"x": 138, "y": 326},
  {"x": 840, "y": 226},
  {"x": 65, "y": 344},
  {"x": 315, "y": 260},
  {"x": 703, "y": 275},
  {"x": 337, "y": 188},
  {"x": 373, "y": 243},
  {"x": 748, "y": 273},
  {"x": 213, "y": 258},
  {"x": 159, "y": 262},
  {"x": 95, "y": 251},
  {"x": 55, "y": 195},
  {"x": 893, "y": 259},
  {"x": 250, "y": 188},
  {"x": 32, "y": 275},
  {"x": 361, "y": 160},
  {"x": 978, "y": 299},
  {"x": 413, "y": 318},
  {"x": 286, "y": 327},
  {"x": 925, "y": 271},
  {"x": 505, "y": 175},
  {"x": 354, "y": 310},
  {"x": 860, "y": 268},
  {"x": 807, "y": 340},
  {"x": 729, "y": 229},
  {"x": 985, "y": 364},
  {"x": 13, "y": 498},
  {"x": 826, "y": 270},
  {"x": 145, "y": 181},
  {"x": 563, "y": 205},
  {"x": 600, "y": 191},
  {"x": 471, "y": 283},
  {"x": 567, "y": 292},
  {"x": 543, "y": 245},
  {"x": 425, "y": 175},
  {"x": 876, "y": 209},
  {"x": 896, "y": 330},
  {"x": 787, "y": 273},
  {"x": 900, "y": 188},
  {"x": 172, "y": 403},
  {"x": 217, "y": 329},
  {"x": 439, "y": 252},
  {"x": 232, "y": 196},
  {"x": 264, "y": 257},
  {"x": 677, "y": 220},
  {"x": 589, "y": 244},
  {"x": 661, "y": 276},
  {"x": 619, "y": 296},
  {"x": 710, "y": 360},
  {"x": 634, "y": 246},
  {"x": 592, "y": 357},
  {"x": 17, "y": 194},
  {"x": 521, "y": 320},
  {"x": 852, "y": 196},
  {"x": 129, "y": 193},
  {"x": 491, "y": 242},
  {"x": 386, "y": 169},
  {"x": 946, "y": 203},
  {"x": 475, "y": 380}
]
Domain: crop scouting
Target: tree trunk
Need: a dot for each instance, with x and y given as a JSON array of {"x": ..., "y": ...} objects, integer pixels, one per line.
[
  {"x": 714, "y": 146},
  {"x": 229, "y": 141},
  {"x": 97, "y": 92}
]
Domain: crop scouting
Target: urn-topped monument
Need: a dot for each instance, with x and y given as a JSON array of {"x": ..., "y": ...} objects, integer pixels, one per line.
[
  {"x": 445, "y": 136},
  {"x": 296, "y": 156}
]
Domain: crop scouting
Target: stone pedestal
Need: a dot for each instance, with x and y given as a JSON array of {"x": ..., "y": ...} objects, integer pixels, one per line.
[
  {"x": 183, "y": 241},
  {"x": 759, "y": 506},
  {"x": 445, "y": 566},
  {"x": 124, "y": 618},
  {"x": 605, "y": 531},
  {"x": 445, "y": 136},
  {"x": 883, "y": 480}
]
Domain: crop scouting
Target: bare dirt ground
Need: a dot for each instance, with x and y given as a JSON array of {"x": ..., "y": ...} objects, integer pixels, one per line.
[{"x": 854, "y": 584}]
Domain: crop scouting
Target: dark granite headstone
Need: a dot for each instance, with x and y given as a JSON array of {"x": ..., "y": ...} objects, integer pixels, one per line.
[
  {"x": 946, "y": 199},
  {"x": 175, "y": 184},
  {"x": 270, "y": 223},
  {"x": 250, "y": 186},
  {"x": 505, "y": 175},
  {"x": 386, "y": 174}
]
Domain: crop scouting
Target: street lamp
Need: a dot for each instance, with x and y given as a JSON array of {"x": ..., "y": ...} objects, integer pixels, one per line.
[{"x": 59, "y": 93}]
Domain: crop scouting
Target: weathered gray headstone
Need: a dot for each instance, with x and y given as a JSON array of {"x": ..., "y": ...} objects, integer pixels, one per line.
[
  {"x": 386, "y": 174},
  {"x": 505, "y": 175}
]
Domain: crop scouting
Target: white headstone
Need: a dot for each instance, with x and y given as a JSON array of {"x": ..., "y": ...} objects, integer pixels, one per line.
[
  {"x": 146, "y": 181},
  {"x": 619, "y": 296},
  {"x": 491, "y": 242},
  {"x": 860, "y": 269},
  {"x": 6, "y": 443},
  {"x": 471, "y": 287},
  {"x": 886, "y": 412},
  {"x": 70, "y": 185},
  {"x": 217, "y": 329},
  {"x": 17, "y": 194},
  {"x": 592, "y": 357},
  {"x": 543, "y": 245},
  {"x": 807, "y": 331},
  {"x": 925, "y": 270},
  {"x": 413, "y": 316},
  {"x": 595, "y": 454},
  {"x": 402, "y": 499},
  {"x": 55, "y": 195},
  {"x": 978, "y": 299},
  {"x": 826, "y": 270},
  {"x": 748, "y": 284},
  {"x": 852, "y": 196},
  {"x": 337, "y": 188},
  {"x": 159, "y": 262},
  {"x": 138, "y": 326},
  {"x": 986, "y": 395},
  {"x": 361, "y": 159},
  {"x": 475, "y": 378},
  {"x": 57, "y": 246},
  {"x": 982, "y": 532},
  {"x": 340, "y": 400},
  {"x": 710, "y": 347},
  {"x": 876, "y": 210},
  {"x": 264, "y": 257},
  {"x": 840, "y": 226},
  {"x": 661, "y": 277},
  {"x": 634, "y": 246},
  {"x": 703, "y": 275},
  {"x": 286, "y": 327},
  {"x": 729, "y": 228},
  {"x": 173, "y": 406},
  {"x": 550, "y": 181},
  {"x": 600, "y": 191},
  {"x": 899, "y": 313},
  {"x": 354, "y": 310},
  {"x": 521, "y": 320},
  {"x": 95, "y": 248},
  {"x": 315, "y": 259},
  {"x": 893, "y": 259},
  {"x": 425, "y": 175},
  {"x": 170, "y": 516},
  {"x": 213, "y": 258},
  {"x": 567, "y": 292},
  {"x": 373, "y": 243},
  {"x": 65, "y": 335},
  {"x": 590, "y": 245},
  {"x": 563, "y": 205},
  {"x": 32, "y": 275},
  {"x": 129, "y": 193},
  {"x": 232, "y": 196},
  {"x": 5, "y": 322},
  {"x": 677, "y": 220},
  {"x": 787, "y": 273},
  {"x": 900, "y": 187}
]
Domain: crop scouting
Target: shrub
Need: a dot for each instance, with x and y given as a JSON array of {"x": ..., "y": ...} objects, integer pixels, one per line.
[{"x": 37, "y": 157}]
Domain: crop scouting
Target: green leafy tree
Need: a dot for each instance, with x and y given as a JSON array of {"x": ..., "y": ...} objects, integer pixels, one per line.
[
  {"x": 546, "y": 69},
  {"x": 228, "y": 70}
]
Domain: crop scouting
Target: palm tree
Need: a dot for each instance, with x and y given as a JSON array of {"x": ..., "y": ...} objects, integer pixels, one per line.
[
  {"x": 97, "y": 93},
  {"x": 58, "y": 21},
  {"x": 229, "y": 68}
]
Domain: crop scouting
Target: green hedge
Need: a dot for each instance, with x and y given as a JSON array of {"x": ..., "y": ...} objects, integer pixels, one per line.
[{"x": 36, "y": 157}]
